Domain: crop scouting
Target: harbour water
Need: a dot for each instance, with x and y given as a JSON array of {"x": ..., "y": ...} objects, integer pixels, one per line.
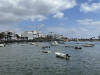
[{"x": 27, "y": 59}]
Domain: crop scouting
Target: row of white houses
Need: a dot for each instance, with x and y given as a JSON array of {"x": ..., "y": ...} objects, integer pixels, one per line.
[
  {"x": 32, "y": 34},
  {"x": 28, "y": 35}
]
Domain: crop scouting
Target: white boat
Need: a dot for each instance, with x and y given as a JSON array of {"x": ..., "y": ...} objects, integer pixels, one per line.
[
  {"x": 44, "y": 47},
  {"x": 55, "y": 43},
  {"x": 88, "y": 45},
  {"x": 2, "y": 45},
  {"x": 34, "y": 43},
  {"x": 62, "y": 55}
]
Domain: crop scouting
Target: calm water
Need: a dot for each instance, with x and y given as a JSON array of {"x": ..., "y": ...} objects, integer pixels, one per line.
[{"x": 26, "y": 59}]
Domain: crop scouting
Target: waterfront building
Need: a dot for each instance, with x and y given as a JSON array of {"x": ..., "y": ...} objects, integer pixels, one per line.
[
  {"x": 32, "y": 34},
  {"x": 55, "y": 36}
]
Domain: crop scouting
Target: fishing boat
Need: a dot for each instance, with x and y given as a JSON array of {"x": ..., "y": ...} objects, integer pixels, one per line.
[
  {"x": 34, "y": 43},
  {"x": 88, "y": 45},
  {"x": 78, "y": 47},
  {"x": 2, "y": 45},
  {"x": 44, "y": 47},
  {"x": 45, "y": 51},
  {"x": 62, "y": 55},
  {"x": 55, "y": 43}
]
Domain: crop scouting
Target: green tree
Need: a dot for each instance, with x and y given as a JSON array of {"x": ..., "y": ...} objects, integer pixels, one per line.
[
  {"x": 9, "y": 35},
  {"x": 1, "y": 36},
  {"x": 18, "y": 37}
]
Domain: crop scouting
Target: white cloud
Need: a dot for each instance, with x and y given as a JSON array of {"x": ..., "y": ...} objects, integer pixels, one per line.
[
  {"x": 56, "y": 29},
  {"x": 94, "y": 7},
  {"x": 90, "y": 0},
  {"x": 13, "y": 11},
  {"x": 89, "y": 26},
  {"x": 59, "y": 15},
  {"x": 85, "y": 28},
  {"x": 89, "y": 22},
  {"x": 66, "y": 31},
  {"x": 12, "y": 28}
]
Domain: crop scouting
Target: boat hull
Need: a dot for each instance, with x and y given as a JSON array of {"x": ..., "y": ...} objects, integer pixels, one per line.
[
  {"x": 89, "y": 45},
  {"x": 62, "y": 55},
  {"x": 2, "y": 45}
]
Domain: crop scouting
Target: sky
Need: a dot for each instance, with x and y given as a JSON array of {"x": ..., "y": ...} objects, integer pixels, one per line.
[{"x": 72, "y": 18}]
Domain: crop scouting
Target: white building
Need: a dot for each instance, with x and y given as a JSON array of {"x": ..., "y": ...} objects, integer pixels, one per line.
[
  {"x": 32, "y": 34},
  {"x": 54, "y": 35},
  {"x": 13, "y": 36}
]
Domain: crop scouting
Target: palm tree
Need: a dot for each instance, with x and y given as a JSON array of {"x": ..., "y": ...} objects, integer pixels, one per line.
[
  {"x": 18, "y": 37},
  {"x": 1, "y": 36},
  {"x": 9, "y": 35}
]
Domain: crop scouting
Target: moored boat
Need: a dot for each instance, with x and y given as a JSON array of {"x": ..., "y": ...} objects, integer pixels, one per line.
[
  {"x": 55, "y": 43},
  {"x": 88, "y": 45},
  {"x": 44, "y": 47},
  {"x": 62, "y": 55},
  {"x": 2, "y": 45},
  {"x": 34, "y": 43},
  {"x": 78, "y": 47},
  {"x": 45, "y": 51}
]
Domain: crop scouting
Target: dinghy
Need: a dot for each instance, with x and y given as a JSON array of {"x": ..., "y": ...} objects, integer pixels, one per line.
[
  {"x": 62, "y": 55},
  {"x": 88, "y": 45},
  {"x": 44, "y": 47},
  {"x": 78, "y": 47},
  {"x": 2, "y": 45},
  {"x": 45, "y": 51},
  {"x": 55, "y": 43},
  {"x": 35, "y": 43}
]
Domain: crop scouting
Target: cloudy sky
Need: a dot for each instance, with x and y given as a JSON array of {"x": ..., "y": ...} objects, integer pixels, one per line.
[{"x": 73, "y": 18}]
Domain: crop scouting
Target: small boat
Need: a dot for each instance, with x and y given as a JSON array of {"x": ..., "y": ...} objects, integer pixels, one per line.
[
  {"x": 55, "y": 43},
  {"x": 88, "y": 45},
  {"x": 78, "y": 47},
  {"x": 62, "y": 55},
  {"x": 44, "y": 47},
  {"x": 2, "y": 45},
  {"x": 35, "y": 43},
  {"x": 45, "y": 51}
]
